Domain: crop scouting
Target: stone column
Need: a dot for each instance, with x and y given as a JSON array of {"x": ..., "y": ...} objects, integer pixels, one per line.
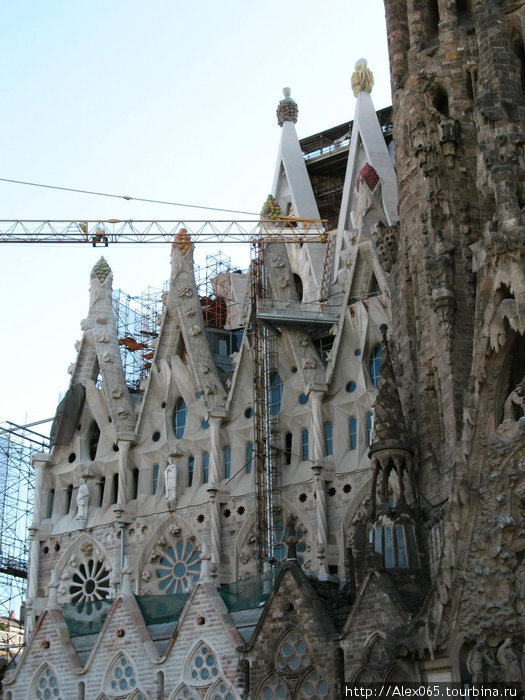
[
  {"x": 122, "y": 496},
  {"x": 215, "y": 529},
  {"x": 322, "y": 529},
  {"x": 39, "y": 464},
  {"x": 317, "y": 429},
  {"x": 215, "y": 453}
]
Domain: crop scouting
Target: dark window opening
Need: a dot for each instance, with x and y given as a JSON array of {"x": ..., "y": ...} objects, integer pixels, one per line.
[
  {"x": 114, "y": 487},
  {"x": 69, "y": 494},
  {"x": 432, "y": 21},
  {"x": 94, "y": 437},
  {"x": 463, "y": 11},
  {"x": 155, "y": 479},
  {"x": 298, "y": 286},
  {"x": 441, "y": 102},
  {"x": 135, "y": 484},
  {"x": 101, "y": 488},
  {"x": 191, "y": 467},
  {"x": 288, "y": 448}
]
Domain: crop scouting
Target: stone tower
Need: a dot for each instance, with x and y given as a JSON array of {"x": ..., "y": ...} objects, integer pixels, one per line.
[{"x": 456, "y": 281}]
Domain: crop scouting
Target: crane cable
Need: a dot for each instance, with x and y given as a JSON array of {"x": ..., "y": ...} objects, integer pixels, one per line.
[{"x": 123, "y": 196}]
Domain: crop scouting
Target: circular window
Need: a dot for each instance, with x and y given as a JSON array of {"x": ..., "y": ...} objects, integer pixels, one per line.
[
  {"x": 303, "y": 398},
  {"x": 358, "y": 352},
  {"x": 205, "y": 424},
  {"x": 71, "y": 458},
  {"x": 156, "y": 436},
  {"x": 351, "y": 386},
  {"x": 248, "y": 413}
]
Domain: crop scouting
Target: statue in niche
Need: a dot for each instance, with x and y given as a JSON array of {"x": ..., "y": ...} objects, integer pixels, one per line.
[
  {"x": 475, "y": 661},
  {"x": 170, "y": 482},
  {"x": 82, "y": 500},
  {"x": 509, "y": 662}
]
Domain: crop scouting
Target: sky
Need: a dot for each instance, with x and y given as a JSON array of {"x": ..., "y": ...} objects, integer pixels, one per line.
[{"x": 165, "y": 100}]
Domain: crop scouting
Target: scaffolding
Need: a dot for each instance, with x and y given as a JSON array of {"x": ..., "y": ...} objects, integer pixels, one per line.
[
  {"x": 266, "y": 422},
  {"x": 214, "y": 289},
  {"x": 136, "y": 318},
  {"x": 17, "y": 444}
]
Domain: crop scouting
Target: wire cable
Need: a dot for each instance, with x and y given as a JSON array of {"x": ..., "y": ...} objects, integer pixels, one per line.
[{"x": 124, "y": 196}]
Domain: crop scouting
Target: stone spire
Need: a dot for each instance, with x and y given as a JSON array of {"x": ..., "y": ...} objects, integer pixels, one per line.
[
  {"x": 287, "y": 109},
  {"x": 389, "y": 421}
]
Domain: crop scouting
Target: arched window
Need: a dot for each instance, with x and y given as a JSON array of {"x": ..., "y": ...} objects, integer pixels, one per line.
[
  {"x": 69, "y": 495},
  {"x": 94, "y": 436},
  {"x": 155, "y": 479},
  {"x": 191, "y": 467},
  {"x": 396, "y": 542},
  {"x": 46, "y": 685},
  {"x": 179, "y": 417},
  {"x": 328, "y": 439},
  {"x": 276, "y": 393},
  {"x": 298, "y": 282},
  {"x": 203, "y": 667},
  {"x": 375, "y": 364},
  {"x": 121, "y": 677},
  {"x": 114, "y": 493},
  {"x": 353, "y": 433},
  {"x": 227, "y": 461},
  {"x": 249, "y": 456},
  {"x": 101, "y": 488},
  {"x": 288, "y": 448},
  {"x": 304, "y": 444},
  {"x": 135, "y": 484},
  {"x": 205, "y": 467},
  {"x": 369, "y": 426}
]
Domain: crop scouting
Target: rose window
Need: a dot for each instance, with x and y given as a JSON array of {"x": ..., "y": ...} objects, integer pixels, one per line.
[
  {"x": 221, "y": 692},
  {"x": 122, "y": 678},
  {"x": 90, "y": 582},
  {"x": 274, "y": 689},
  {"x": 292, "y": 654},
  {"x": 47, "y": 686},
  {"x": 178, "y": 568},
  {"x": 203, "y": 669},
  {"x": 315, "y": 687}
]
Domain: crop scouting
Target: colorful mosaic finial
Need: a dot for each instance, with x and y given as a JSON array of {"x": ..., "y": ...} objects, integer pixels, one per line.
[
  {"x": 271, "y": 209},
  {"x": 287, "y": 109},
  {"x": 101, "y": 270},
  {"x": 362, "y": 78}
]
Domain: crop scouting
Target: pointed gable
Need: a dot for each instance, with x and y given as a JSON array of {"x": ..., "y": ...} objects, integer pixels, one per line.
[
  {"x": 368, "y": 160},
  {"x": 291, "y": 184}
]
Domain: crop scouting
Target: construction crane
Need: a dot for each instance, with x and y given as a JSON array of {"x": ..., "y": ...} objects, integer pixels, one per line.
[{"x": 110, "y": 231}]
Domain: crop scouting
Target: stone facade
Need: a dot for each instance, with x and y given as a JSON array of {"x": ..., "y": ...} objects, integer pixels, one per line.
[{"x": 386, "y": 540}]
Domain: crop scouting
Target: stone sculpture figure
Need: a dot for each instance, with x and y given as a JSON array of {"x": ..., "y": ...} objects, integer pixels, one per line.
[
  {"x": 514, "y": 403},
  {"x": 170, "y": 482},
  {"x": 82, "y": 500},
  {"x": 475, "y": 661},
  {"x": 509, "y": 662}
]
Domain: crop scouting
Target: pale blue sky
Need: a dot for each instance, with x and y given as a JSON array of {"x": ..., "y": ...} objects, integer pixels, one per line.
[{"x": 167, "y": 100}]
